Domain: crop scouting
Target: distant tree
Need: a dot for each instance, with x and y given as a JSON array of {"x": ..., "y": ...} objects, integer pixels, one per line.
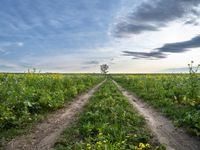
[
  {"x": 34, "y": 70},
  {"x": 104, "y": 68}
]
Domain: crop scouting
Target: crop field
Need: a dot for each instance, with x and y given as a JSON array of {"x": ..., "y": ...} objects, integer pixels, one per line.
[
  {"x": 107, "y": 121},
  {"x": 100, "y": 75},
  {"x": 176, "y": 96},
  {"x": 27, "y": 98}
]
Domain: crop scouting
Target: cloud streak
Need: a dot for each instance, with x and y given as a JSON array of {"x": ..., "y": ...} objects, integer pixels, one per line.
[
  {"x": 93, "y": 62},
  {"x": 159, "y": 53},
  {"x": 151, "y": 16},
  {"x": 144, "y": 55},
  {"x": 180, "y": 47},
  {"x": 125, "y": 29},
  {"x": 193, "y": 22}
]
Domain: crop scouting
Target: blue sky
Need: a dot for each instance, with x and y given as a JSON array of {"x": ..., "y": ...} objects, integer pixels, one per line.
[{"x": 78, "y": 36}]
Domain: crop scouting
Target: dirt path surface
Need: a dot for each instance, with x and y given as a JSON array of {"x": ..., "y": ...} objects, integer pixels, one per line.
[
  {"x": 162, "y": 128},
  {"x": 45, "y": 134}
]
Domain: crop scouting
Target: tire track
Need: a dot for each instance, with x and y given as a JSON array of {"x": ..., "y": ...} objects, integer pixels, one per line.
[
  {"x": 162, "y": 128},
  {"x": 45, "y": 134}
]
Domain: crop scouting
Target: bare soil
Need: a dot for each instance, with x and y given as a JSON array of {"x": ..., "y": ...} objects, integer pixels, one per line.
[
  {"x": 162, "y": 128},
  {"x": 44, "y": 135}
]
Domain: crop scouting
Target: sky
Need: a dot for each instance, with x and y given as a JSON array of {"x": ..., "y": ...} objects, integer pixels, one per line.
[{"x": 131, "y": 36}]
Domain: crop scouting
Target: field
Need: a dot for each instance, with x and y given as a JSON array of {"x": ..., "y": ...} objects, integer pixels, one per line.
[
  {"x": 27, "y": 98},
  {"x": 107, "y": 120},
  {"x": 176, "y": 96},
  {"x": 100, "y": 75}
]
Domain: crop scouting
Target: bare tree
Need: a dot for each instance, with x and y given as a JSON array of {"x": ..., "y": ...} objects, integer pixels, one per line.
[{"x": 104, "y": 68}]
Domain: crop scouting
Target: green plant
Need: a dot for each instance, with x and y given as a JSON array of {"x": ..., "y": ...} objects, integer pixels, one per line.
[
  {"x": 107, "y": 122},
  {"x": 25, "y": 98},
  {"x": 176, "y": 95},
  {"x": 193, "y": 87}
]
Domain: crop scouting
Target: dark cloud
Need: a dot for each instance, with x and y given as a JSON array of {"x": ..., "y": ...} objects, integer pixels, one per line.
[
  {"x": 195, "y": 12},
  {"x": 164, "y": 10},
  {"x": 150, "y": 16},
  {"x": 93, "y": 62},
  {"x": 192, "y": 22},
  {"x": 160, "y": 53},
  {"x": 150, "y": 55},
  {"x": 180, "y": 47},
  {"x": 124, "y": 28}
]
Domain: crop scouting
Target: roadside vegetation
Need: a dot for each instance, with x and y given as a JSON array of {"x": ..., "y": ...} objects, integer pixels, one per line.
[
  {"x": 108, "y": 121},
  {"x": 176, "y": 95},
  {"x": 28, "y": 98}
]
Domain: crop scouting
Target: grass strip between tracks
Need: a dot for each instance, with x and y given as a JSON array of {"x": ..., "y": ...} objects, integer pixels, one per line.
[{"x": 107, "y": 122}]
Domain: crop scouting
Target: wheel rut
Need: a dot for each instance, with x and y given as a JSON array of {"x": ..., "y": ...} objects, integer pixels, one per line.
[
  {"x": 162, "y": 128},
  {"x": 44, "y": 135}
]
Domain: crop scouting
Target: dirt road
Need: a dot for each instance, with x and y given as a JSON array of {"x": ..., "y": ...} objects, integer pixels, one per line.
[
  {"x": 162, "y": 128},
  {"x": 45, "y": 134}
]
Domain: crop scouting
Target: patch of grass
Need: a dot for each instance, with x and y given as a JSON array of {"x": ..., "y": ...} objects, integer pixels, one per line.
[
  {"x": 25, "y": 99},
  {"x": 107, "y": 122},
  {"x": 170, "y": 94}
]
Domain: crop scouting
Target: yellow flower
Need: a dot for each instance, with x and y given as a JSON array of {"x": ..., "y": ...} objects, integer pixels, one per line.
[
  {"x": 141, "y": 145},
  {"x": 99, "y": 143},
  {"x": 193, "y": 103},
  {"x": 147, "y": 145},
  {"x": 100, "y": 133},
  {"x": 123, "y": 142},
  {"x": 88, "y": 145},
  {"x": 104, "y": 141}
]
